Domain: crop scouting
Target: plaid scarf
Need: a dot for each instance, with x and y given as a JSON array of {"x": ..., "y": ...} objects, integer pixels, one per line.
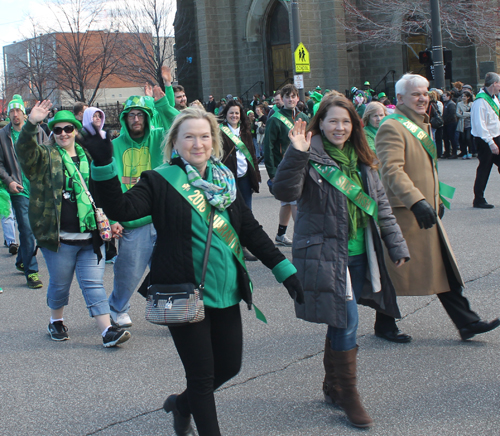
[{"x": 222, "y": 191}]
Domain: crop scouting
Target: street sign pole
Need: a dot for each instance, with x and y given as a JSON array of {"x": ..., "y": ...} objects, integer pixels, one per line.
[{"x": 296, "y": 38}]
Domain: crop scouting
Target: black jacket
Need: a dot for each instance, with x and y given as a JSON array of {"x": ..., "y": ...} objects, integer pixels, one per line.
[
  {"x": 172, "y": 261},
  {"x": 231, "y": 162},
  {"x": 449, "y": 112},
  {"x": 10, "y": 171}
]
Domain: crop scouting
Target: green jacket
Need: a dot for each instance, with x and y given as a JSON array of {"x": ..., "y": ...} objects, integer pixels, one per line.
[
  {"x": 276, "y": 140},
  {"x": 132, "y": 158},
  {"x": 42, "y": 165}
]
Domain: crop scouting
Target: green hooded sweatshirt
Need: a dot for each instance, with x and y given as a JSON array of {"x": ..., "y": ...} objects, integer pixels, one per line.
[{"x": 133, "y": 157}]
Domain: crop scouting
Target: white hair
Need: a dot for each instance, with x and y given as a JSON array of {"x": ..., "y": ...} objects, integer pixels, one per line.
[{"x": 410, "y": 80}]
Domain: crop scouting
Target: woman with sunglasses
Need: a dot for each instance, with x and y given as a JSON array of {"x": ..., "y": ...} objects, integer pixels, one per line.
[{"x": 63, "y": 220}]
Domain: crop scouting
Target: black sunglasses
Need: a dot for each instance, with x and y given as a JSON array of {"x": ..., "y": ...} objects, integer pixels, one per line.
[{"x": 67, "y": 129}]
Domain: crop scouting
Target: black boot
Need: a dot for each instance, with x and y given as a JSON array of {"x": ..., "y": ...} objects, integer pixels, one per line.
[{"x": 182, "y": 424}]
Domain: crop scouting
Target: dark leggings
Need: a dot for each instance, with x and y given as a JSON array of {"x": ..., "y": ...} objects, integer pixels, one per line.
[{"x": 210, "y": 351}]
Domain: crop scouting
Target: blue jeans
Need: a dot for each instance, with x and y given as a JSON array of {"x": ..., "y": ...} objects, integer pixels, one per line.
[
  {"x": 62, "y": 267},
  {"x": 135, "y": 248},
  {"x": 258, "y": 148},
  {"x": 345, "y": 339},
  {"x": 27, "y": 245},
  {"x": 245, "y": 187},
  {"x": 9, "y": 228}
]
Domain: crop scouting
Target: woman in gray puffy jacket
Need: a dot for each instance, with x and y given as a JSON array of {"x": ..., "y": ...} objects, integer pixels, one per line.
[{"x": 343, "y": 217}]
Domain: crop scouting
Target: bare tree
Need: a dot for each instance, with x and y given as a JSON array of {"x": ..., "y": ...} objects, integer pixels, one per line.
[
  {"x": 85, "y": 56},
  {"x": 386, "y": 22},
  {"x": 32, "y": 64},
  {"x": 150, "y": 38}
]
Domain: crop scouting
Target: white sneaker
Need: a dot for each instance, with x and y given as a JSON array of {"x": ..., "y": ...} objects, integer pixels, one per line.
[
  {"x": 283, "y": 240},
  {"x": 121, "y": 319}
]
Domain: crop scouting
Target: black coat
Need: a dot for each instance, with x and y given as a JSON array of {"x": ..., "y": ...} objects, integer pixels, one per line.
[
  {"x": 231, "y": 162},
  {"x": 172, "y": 261}
]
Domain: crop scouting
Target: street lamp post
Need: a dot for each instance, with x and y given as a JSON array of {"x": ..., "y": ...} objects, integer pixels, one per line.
[{"x": 437, "y": 45}]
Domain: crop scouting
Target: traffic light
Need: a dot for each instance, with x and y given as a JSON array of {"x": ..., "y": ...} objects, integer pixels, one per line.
[{"x": 425, "y": 57}]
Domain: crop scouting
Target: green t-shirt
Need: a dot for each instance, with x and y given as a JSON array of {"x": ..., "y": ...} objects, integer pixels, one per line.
[
  {"x": 26, "y": 183},
  {"x": 358, "y": 245}
]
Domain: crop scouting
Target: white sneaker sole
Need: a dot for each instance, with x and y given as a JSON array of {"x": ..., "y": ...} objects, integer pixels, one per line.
[{"x": 123, "y": 338}]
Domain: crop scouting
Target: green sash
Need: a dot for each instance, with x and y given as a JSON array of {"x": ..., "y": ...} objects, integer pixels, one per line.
[
  {"x": 490, "y": 101},
  {"x": 348, "y": 187},
  {"x": 429, "y": 146},
  {"x": 283, "y": 119},
  {"x": 222, "y": 227},
  {"x": 240, "y": 145}
]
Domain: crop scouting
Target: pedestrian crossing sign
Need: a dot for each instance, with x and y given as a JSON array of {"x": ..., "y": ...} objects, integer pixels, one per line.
[{"x": 301, "y": 56}]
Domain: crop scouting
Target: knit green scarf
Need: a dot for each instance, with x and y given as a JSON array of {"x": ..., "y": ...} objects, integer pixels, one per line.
[
  {"x": 86, "y": 216},
  {"x": 370, "y": 133},
  {"x": 347, "y": 159}
]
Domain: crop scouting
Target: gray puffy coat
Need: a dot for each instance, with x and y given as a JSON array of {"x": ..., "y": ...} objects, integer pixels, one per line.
[{"x": 320, "y": 239}]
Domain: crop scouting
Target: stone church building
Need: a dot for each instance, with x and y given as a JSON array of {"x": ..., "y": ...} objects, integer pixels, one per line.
[{"x": 243, "y": 47}]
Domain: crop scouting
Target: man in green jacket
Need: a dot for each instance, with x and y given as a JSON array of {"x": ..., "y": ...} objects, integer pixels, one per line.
[
  {"x": 137, "y": 149},
  {"x": 276, "y": 143}
]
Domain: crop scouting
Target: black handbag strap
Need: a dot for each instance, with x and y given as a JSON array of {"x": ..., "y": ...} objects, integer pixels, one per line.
[{"x": 207, "y": 248}]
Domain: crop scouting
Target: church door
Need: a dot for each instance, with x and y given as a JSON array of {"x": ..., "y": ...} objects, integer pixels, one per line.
[{"x": 280, "y": 47}]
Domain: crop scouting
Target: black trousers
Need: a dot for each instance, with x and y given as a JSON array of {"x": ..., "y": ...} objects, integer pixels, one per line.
[
  {"x": 211, "y": 352},
  {"x": 456, "y": 305},
  {"x": 486, "y": 161}
]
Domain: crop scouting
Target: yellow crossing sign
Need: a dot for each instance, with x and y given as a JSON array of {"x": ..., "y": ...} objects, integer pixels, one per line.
[{"x": 301, "y": 56}]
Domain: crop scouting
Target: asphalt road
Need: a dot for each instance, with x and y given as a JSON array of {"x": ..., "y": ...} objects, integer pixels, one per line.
[{"x": 436, "y": 385}]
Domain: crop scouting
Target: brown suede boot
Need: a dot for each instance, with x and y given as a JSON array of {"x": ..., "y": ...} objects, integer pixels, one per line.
[
  {"x": 330, "y": 385},
  {"x": 348, "y": 399}
]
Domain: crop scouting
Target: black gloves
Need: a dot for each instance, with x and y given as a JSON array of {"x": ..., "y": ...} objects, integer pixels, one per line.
[
  {"x": 424, "y": 214},
  {"x": 441, "y": 211},
  {"x": 100, "y": 149},
  {"x": 294, "y": 288}
]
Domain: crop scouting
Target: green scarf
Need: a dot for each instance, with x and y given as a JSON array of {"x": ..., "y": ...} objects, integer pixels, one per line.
[
  {"x": 86, "y": 216},
  {"x": 347, "y": 159},
  {"x": 370, "y": 133}
]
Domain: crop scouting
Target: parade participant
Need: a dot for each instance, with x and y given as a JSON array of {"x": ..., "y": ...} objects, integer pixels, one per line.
[
  {"x": 467, "y": 147},
  {"x": 93, "y": 122},
  {"x": 210, "y": 107},
  {"x": 343, "y": 217},
  {"x": 485, "y": 128},
  {"x": 63, "y": 220},
  {"x": 137, "y": 149},
  {"x": 19, "y": 189},
  {"x": 180, "y": 97},
  {"x": 277, "y": 104},
  {"x": 210, "y": 350},
  {"x": 450, "y": 126},
  {"x": 409, "y": 173},
  {"x": 374, "y": 113},
  {"x": 276, "y": 142},
  {"x": 79, "y": 109},
  {"x": 239, "y": 154}
]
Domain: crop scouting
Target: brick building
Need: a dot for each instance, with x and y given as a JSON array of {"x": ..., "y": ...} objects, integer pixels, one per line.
[
  {"x": 243, "y": 47},
  {"x": 41, "y": 62}
]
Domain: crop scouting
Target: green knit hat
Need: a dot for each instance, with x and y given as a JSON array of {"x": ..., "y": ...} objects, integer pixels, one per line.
[
  {"x": 16, "y": 103},
  {"x": 65, "y": 116},
  {"x": 382, "y": 94}
]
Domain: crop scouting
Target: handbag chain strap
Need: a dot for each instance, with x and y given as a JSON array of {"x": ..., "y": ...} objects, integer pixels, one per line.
[{"x": 207, "y": 249}]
